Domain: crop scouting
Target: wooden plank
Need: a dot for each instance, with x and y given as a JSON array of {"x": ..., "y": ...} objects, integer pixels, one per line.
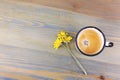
[
  {"x": 27, "y": 34},
  {"x": 108, "y": 9},
  {"x": 26, "y": 64}
]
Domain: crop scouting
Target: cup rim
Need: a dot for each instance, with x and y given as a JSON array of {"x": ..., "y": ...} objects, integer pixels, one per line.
[{"x": 99, "y": 31}]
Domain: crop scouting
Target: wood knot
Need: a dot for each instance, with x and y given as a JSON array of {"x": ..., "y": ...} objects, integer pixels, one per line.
[
  {"x": 76, "y": 6},
  {"x": 102, "y": 77}
]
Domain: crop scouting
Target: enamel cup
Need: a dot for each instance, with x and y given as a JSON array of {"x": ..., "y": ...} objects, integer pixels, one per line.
[{"x": 91, "y": 41}]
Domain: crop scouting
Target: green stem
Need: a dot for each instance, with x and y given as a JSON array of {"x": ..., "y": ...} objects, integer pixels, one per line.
[{"x": 75, "y": 59}]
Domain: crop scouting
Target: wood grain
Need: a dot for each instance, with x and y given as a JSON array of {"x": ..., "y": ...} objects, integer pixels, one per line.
[
  {"x": 108, "y": 9},
  {"x": 27, "y": 33}
]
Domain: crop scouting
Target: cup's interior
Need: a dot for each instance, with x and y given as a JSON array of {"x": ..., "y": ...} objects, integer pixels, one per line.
[{"x": 90, "y": 41}]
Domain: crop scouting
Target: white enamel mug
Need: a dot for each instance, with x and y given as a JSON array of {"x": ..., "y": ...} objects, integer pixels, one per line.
[{"x": 91, "y": 41}]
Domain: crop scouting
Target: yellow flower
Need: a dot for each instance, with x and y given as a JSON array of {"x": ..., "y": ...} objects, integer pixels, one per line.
[
  {"x": 68, "y": 39},
  {"x": 62, "y": 37},
  {"x": 57, "y": 43}
]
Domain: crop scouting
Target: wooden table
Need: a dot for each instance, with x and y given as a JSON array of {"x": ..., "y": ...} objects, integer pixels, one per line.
[{"x": 27, "y": 33}]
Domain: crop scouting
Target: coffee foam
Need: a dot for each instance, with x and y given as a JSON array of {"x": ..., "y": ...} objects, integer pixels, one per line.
[{"x": 100, "y": 35}]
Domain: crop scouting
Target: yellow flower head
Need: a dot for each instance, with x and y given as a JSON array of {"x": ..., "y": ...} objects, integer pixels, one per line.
[
  {"x": 62, "y": 37},
  {"x": 57, "y": 43}
]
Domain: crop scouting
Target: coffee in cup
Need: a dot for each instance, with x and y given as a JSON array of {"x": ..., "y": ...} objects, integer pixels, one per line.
[{"x": 91, "y": 41}]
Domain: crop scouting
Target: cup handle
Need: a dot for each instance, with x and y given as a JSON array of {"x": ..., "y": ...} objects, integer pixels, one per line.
[{"x": 109, "y": 44}]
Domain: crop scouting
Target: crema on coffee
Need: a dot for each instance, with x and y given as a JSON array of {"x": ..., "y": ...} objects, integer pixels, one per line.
[{"x": 90, "y": 41}]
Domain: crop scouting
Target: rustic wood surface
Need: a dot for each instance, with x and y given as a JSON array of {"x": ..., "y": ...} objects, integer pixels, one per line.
[
  {"x": 28, "y": 30},
  {"x": 107, "y": 9}
]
